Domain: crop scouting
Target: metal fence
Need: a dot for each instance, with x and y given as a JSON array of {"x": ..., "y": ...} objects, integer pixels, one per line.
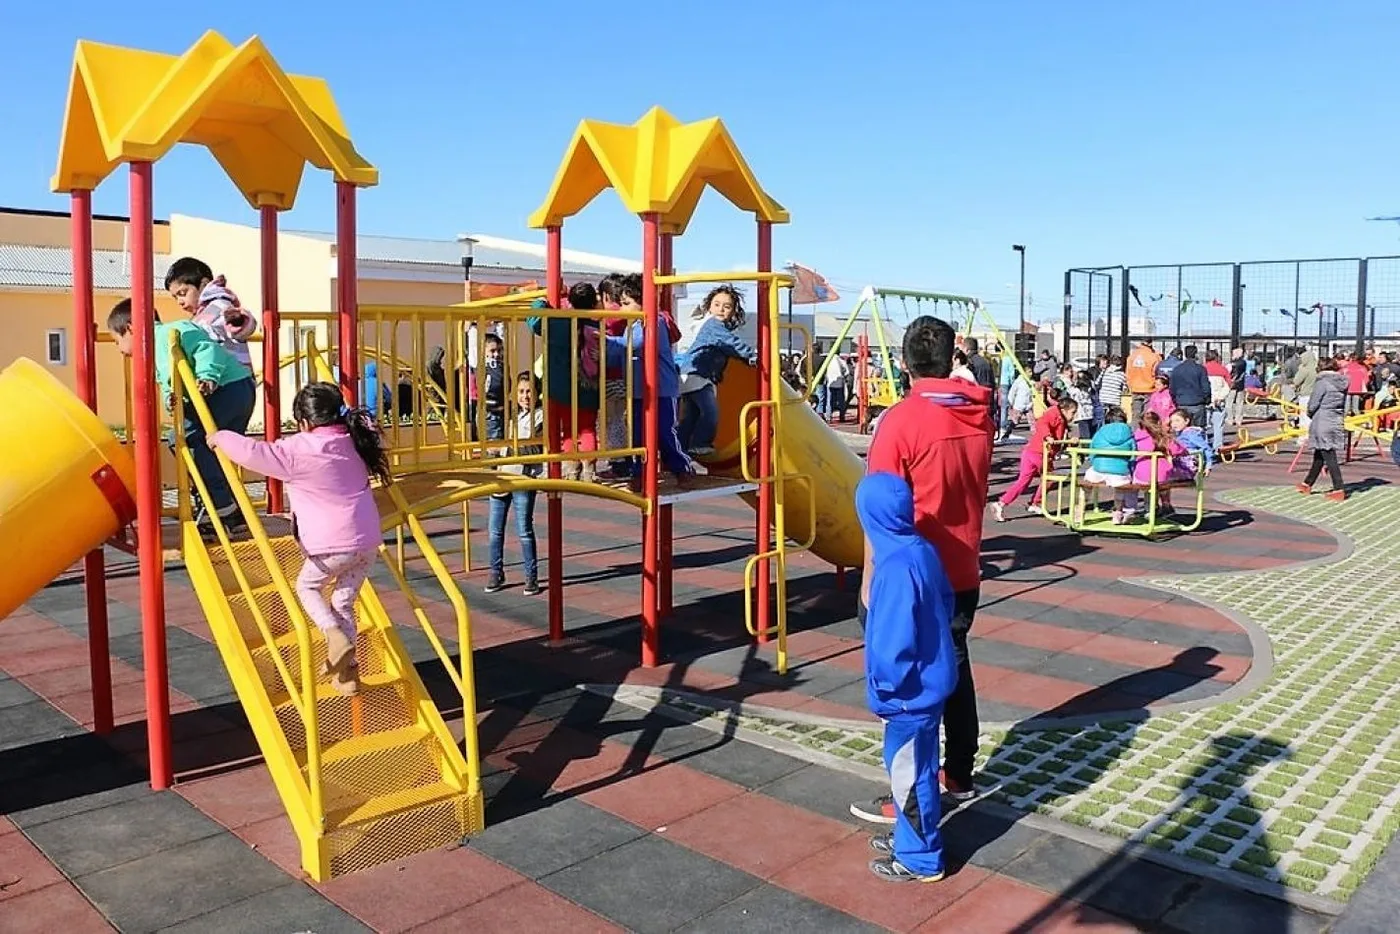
[{"x": 1330, "y": 304}]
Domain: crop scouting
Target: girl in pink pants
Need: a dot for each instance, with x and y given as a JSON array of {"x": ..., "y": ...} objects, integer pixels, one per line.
[
  {"x": 1052, "y": 426},
  {"x": 327, "y": 467}
]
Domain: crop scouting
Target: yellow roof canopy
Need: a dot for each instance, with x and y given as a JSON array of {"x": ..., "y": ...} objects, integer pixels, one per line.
[
  {"x": 261, "y": 124},
  {"x": 657, "y": 164}
]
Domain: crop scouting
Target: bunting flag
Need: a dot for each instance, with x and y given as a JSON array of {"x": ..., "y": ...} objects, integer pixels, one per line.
[
  {"x": 1216, "y": 303},
  {"x": 1132, "y": 289},
  {"x": 810, "y": 287}
]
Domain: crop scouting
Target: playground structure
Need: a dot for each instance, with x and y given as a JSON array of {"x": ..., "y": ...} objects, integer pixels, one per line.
[
  {"x": 881, "y": 390},
  {"x": 375, "y": 776},
  {"x": 1070, "y": 500}
]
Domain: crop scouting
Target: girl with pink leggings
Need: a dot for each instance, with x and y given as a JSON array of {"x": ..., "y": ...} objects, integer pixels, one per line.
[
  {"x": 1052, "y": 426},
  {"x": 327, "y": 467}
]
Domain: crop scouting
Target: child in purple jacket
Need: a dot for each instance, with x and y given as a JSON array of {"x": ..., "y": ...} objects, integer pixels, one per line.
[{"x": 327, "y": 467}]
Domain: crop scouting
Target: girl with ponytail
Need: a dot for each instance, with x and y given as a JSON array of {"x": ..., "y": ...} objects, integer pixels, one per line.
[{"x": 327, "y": 468}]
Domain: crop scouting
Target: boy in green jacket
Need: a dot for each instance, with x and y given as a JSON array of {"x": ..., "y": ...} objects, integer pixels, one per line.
[{"x": 226, "y": 385}]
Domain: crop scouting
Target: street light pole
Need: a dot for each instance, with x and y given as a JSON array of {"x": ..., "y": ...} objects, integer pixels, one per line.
[{"x": 1021, "y": 248}]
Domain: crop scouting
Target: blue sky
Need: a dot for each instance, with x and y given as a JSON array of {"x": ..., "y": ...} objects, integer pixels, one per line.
[{"x": 913, "y": 146}]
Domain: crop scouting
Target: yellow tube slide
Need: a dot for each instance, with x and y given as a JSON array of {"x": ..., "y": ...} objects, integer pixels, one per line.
[
  {"x": 66, "y": 483},
  {"x": 809, "y": 447}
]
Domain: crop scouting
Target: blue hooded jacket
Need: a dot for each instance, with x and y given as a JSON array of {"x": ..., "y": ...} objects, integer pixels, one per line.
[
  {"x": 909, "y": 665},
  {"x": 1113, "y": 436}
]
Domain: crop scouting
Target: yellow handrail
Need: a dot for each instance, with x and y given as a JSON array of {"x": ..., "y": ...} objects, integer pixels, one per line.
[
  {"x": 183, "y": 376},
  {"x": 779, "y": 279},
  {"x": 464, "y": 678}
]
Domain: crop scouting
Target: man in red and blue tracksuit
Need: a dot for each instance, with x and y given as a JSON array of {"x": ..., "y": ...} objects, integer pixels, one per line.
[
  {"x": 910, "y": 670},
  {"x": 939, "y": 439}
]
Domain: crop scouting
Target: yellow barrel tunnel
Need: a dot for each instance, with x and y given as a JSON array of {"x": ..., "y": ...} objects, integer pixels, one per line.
[{"x": 66, "y": 487}]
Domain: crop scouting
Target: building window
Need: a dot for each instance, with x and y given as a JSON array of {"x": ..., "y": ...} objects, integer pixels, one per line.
[{"x": 56, "y": 346}]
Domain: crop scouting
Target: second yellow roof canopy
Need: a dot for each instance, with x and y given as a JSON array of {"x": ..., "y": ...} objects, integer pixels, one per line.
[{"x": 657, "y": 164}]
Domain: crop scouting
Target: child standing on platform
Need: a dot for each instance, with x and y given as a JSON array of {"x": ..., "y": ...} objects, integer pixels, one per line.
[
  {"x": 560, "y": 385},
  {"x": 327, "y": 467},
  {"x": 228, "y": 390},
  {"x": 212, "y": 305},
  {"x": 703, "y": 363},
  {"x": 529, "y": 425},
  {"x": 668, "y": 383},
  {"x": 910, "y": 671}
]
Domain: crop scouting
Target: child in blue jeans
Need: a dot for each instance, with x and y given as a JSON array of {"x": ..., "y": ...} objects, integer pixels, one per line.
[
  {"x": 529, "y": 425},
  {"x": 228, "y": 390},
  {"x": 702, "y": 367},
  {"x": 910, "y": 671},
  {"x": 673, "y": 458}
]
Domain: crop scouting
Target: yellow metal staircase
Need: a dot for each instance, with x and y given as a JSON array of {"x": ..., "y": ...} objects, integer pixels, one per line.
[{"x": 364, "y": 779}]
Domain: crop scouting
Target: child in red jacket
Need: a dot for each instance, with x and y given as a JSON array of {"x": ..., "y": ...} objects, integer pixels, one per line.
[{"x": 1052, "y": 426}]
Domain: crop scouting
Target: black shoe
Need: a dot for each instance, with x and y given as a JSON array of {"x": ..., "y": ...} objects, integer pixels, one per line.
[
  {"x": 532, "y": 588},
  {"x": 495, "y": 585},
  {"x": 233, "y": 522}
]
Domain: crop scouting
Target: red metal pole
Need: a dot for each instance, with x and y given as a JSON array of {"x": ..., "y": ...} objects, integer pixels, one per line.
[
  {"x": 85, "y": 376},
  {"x": 272, "y": 353},
  {"x": 666, "y": 559},
  {"x": 651, "y": 437},
  {"x": 862, "y": 372},
  {"x": 554, "y": 283},
  {"x": 147, "y": 442},
  {"x": 764, "y": 522},
  {"x": 346, "y": 291}
]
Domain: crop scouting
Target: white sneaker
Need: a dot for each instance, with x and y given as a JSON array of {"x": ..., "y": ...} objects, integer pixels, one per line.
[
  {"x": 1034, "y": 510},
  {"x": 703, "y": 451},
  {"x": 998, "y": 510}
]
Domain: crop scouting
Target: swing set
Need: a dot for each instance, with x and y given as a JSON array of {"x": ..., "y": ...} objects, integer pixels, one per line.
[{"x": 881, "y": 390}]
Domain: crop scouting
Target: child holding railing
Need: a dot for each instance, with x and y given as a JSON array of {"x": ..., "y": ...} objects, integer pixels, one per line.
[
  {"x": 327, "y": 467},
  {"x": 703, "y": 366}
]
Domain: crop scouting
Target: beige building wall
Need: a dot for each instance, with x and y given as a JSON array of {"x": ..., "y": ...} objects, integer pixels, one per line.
[{"x": 32, "y": 229}]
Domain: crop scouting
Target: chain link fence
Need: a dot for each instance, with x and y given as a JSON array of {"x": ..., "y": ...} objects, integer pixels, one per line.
[{"x": 1330, "y": 304}]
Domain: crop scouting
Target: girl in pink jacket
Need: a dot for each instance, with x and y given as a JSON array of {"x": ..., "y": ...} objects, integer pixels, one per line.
[{"x": 327, "y": 467}]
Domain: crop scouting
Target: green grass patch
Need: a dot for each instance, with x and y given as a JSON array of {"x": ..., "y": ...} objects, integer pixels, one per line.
[
  {"x": 1069, "y": 787},
  {"x": 1285, "y": 827},
  {"x": 1295, "y": 813},
  {"x": 1088, "y": 775},
  {"x": 1259, "y": 856},
  {"x": 1055, "y": 767},
  {"x": 1126, "y": 785},
  {"x": 1017, "y": 789},
  {"x": 1227, "y": 829},
  {"x": 1312, "y": 802},
  {"x": 1038, "y": 778},
  {"x": 1000, "y": 768},
  {"x": 1037, "y": 746},
  {"x": 1090, "y": 809},
  {"x": 1142, "y": 806},
  {"x": 1259, "y": 872},
  {"x": 1158, "y": 793},
  {"x": 1292, "y": 769},
  {"x": 1020, "y": 758},
  {"x": 1270, "y": 790},
  {"x": 1217, "y": 791},
  {"x": 1345, "y": 825},
  {"x": 1330, "y": 838},
  {"x": 1203, "y": 855},
  {"x": 827, "y": 736},
  {"x": 1214, "y": 844},
  {"x": 1243, "y": 815},
  {"x": 1131, "y": 821},
  {"x": 1108, "y": 796},
  {"x": 1072, "y": 755},
  {"x": 1311, "y": 872}
]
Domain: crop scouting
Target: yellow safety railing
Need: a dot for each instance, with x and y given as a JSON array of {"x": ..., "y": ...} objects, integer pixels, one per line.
[
  {"x": 462, "y": 675},
  {"x": 778, "y": 477},
  {"x": 303, "y": 693}
]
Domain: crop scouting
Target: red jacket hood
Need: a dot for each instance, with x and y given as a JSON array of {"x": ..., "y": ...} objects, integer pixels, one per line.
[{"x": 968, "y": 402}]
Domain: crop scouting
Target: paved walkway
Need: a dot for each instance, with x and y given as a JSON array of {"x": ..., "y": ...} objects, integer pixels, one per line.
[{"x": 598, "y": 807}]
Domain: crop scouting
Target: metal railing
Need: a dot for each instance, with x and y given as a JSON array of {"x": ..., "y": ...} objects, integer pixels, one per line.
[{"x": 303, "y": 693}]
